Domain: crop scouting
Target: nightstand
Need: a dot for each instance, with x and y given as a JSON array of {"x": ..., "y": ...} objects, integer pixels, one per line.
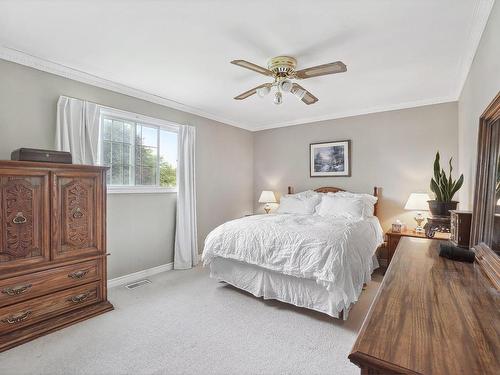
[{"x": 393, "y": 240}]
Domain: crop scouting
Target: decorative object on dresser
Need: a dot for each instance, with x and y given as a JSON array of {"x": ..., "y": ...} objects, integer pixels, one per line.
[
  {"x": 393, "y": 239},
  {"x": 418, "y": 202},
  {"x": 34, "y": 154},
  {"x": 450, "y": 251},
  {"x": 460, "y": 227},
  {"x": 444, "y": 188},
  {"x": 431, "y": 315},
  {"x": 267, "y": 197},
  {"x": 330, "y": 159},
  {"x": 52, "y": 248},
  {"x": 437, "y": 224}
]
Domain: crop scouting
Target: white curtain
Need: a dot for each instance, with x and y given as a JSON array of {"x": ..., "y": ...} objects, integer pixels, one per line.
[
  {"x": 77, "y": 129},
  {"x": 186, "y": 242}
]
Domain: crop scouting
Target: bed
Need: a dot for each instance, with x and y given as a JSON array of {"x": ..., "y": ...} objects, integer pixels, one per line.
[{"x": 308, "y": 260}]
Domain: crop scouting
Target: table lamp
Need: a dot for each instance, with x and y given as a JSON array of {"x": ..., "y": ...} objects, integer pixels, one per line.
[
  {"x": 267, "y": 197},
  {"x": 418, "y": 202}
]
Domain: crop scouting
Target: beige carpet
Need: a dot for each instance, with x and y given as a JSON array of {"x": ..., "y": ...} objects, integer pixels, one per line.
[{"x": 186, "y": 323}]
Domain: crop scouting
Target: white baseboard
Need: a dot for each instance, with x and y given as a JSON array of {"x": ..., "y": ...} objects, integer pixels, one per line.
[{"x": 131, "y": 277}]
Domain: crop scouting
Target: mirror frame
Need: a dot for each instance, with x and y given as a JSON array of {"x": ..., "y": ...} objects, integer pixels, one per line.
[{"x": 487, "y": 159}]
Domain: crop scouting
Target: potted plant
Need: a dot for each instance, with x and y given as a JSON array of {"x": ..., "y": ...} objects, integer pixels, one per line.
[{"x": 444, "y": 188}]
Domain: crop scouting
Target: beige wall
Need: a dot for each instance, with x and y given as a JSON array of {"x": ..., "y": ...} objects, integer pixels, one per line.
[
  {"x": 394, "y": 150},
  {"x": 140, "y": 226},
  {"x": 481, "y": 86}
]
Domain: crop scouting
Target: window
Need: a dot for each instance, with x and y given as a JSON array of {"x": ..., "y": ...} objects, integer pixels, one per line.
[{"x": 140, "y": 153}]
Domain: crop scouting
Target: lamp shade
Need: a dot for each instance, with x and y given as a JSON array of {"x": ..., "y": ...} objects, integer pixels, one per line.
[
  {"x": 267, "y": 196},
  {"x": 417, "y": 202}
]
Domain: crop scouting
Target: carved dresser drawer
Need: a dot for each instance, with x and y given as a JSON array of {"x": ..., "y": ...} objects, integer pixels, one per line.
[
  {"x": 20, "y": 288},
  {"x": 35, "y": 310}
]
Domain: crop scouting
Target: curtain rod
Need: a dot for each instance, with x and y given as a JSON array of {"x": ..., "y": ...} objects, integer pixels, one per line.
[{"x": 169, "y": 122}]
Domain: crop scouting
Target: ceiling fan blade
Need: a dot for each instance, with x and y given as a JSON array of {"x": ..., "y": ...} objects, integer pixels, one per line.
[
  {"x": 248, "y": 93},
  {"x": 303, "y": 94},
  {"x": 321, "y": 70},
  {"x": 251, "y": 66}
]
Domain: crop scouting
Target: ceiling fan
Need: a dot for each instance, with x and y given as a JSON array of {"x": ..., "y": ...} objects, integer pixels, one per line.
[{"x": 282, "y": 70}]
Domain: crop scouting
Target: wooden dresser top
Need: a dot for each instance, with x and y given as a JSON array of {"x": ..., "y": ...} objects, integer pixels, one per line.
[
  {"x": 431, "y": 316},
  {"x": 45, "y": 165}
]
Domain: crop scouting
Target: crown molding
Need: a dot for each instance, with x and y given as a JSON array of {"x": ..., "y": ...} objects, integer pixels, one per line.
[
  {"x": 360, "y": 112},
  {"x": 22, "y": 58},
  {"x": 31, "y": 61},
  {"x": 478, "y": 25}
]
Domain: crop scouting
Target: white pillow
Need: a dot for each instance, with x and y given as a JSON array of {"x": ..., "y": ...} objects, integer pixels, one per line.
[
  {"x": 301, "y": 203},
  {"x": 368, "y": 201},
  {"x": 341, "y": 206},
  {"x": 306, "y": 195}
]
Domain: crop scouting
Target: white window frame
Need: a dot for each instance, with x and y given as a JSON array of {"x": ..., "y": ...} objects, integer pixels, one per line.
[{"x": 144, "y": 120}]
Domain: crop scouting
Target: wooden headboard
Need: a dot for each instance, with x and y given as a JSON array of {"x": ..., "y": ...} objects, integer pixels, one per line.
[
  {"x": 332, "y": 189},
  {"x": 328, "y": 189}
]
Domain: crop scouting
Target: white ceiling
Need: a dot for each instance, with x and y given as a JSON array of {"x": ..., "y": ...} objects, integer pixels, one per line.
[{"x": 399, "y": 54}]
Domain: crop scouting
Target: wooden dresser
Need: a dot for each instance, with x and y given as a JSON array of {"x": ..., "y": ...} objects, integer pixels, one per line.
[
  {"x": 431, "y": 316},
  {"x": 52, "y": 248}
]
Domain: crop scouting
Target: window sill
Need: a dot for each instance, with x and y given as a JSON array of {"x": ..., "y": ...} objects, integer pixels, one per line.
[{"x": 140, "y": 190}]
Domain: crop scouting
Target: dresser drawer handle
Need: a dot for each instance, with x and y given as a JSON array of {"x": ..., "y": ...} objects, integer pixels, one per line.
[
  {"x": 78, "y": 214},
  {"x": 14, "y": 319},
  {"x": 78, "y": 274},
  {"x": 79, "y": 298},
  {"x": 16, "y": 290},
  {"x": 19, "y": 219}
]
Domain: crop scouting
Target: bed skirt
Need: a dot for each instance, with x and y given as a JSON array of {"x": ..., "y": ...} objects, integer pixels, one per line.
[{"x": 272, "y": 285}]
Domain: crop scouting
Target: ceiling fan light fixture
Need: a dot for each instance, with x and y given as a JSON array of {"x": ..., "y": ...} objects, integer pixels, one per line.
[
  {"x": 278, "y": 98},
  {"x": 263, "y": 91},
  {"x": 286, "y": 85},
  {"x": 282, "y": 70}
]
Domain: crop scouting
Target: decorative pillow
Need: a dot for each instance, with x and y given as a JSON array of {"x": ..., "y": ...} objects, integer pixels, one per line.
[
  {"x": 306, "y": 194},
  {"x": 341, "y": 206},
  {"x": 368, "y": 200},
  {"x": 301, "y": 203}
]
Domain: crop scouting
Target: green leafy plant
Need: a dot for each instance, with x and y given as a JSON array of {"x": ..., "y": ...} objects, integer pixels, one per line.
[{"x": 442, "y": 186}]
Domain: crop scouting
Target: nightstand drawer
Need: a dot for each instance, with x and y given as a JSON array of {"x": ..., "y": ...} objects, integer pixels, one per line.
[{"x": 393, "y": 243}]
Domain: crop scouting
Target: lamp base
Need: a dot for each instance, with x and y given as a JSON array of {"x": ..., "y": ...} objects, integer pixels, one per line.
[
  {"x": 267, "y": 208},
  {"x": 419, "y": 218}
]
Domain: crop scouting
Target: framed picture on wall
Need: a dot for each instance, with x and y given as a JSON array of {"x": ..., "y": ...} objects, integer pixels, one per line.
[{"x": 330, "y": 159}]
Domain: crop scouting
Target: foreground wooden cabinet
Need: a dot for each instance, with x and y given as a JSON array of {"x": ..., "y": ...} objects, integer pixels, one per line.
[
  {"x": 52, "y": 248},
  {"x": 432, "y": 315}
]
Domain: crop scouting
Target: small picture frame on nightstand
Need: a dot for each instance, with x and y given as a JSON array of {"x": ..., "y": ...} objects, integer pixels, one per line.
[{"x": 397, "y": 227}]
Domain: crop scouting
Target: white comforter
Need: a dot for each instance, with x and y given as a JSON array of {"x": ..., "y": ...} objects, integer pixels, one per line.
[{"x": 335, "y": 252}]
